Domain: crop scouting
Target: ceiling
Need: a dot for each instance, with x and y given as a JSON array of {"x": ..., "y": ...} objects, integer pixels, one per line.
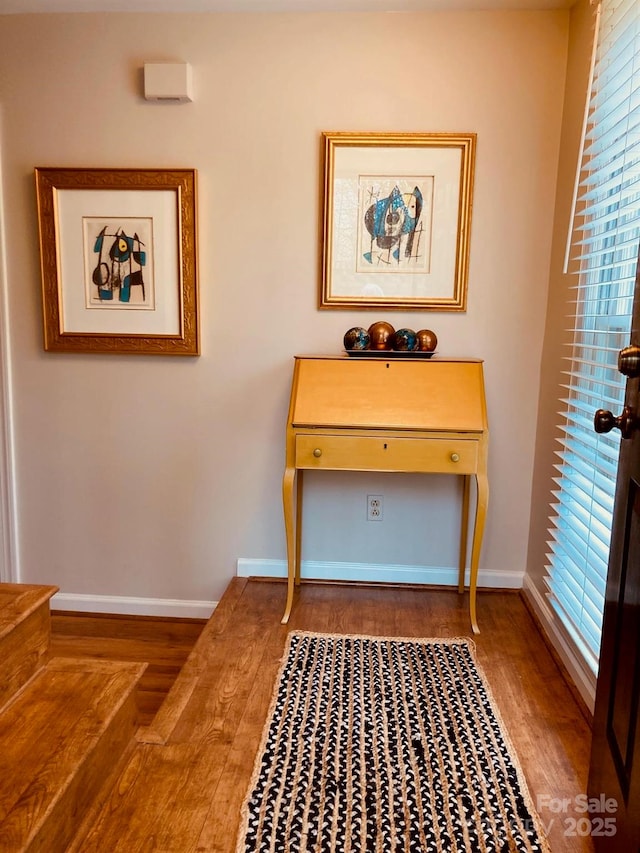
[{"x": 22, "y": 6}]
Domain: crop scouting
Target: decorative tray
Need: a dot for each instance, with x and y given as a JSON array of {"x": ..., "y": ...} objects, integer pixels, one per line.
[{"x": 388, "y": 353}]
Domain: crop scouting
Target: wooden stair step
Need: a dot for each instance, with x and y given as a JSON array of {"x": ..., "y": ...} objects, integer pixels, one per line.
[
  {"x": 60, "y": 738},
  {"x": 25, "y": 629},
  {"x": 199, "y": 660}
]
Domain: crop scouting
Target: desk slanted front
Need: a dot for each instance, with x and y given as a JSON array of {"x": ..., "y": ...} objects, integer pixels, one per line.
[{"x": 398, "y": 415}]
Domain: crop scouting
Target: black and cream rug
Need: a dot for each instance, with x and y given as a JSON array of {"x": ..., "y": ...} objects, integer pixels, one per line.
[{"x": 385, "y": 745}]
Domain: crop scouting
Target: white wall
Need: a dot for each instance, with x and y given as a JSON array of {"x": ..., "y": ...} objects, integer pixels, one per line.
[{"x": 147, "y": 476}]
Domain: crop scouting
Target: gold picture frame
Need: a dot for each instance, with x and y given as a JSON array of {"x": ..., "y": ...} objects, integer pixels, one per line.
[
  {"x": 118, "y": 260},
  {"x": 396, "y": 220}
]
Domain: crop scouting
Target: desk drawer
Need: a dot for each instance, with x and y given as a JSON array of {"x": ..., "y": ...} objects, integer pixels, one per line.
[{"x": 362, "y": 453}]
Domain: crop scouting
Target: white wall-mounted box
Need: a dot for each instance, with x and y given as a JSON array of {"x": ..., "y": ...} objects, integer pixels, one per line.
[{"x": 168, "y": 81}]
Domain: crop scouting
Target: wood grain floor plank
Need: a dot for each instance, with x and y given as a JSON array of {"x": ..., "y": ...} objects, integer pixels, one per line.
[
  {"x": 220, "y": 827},
  {"x": 118, "y": 648},
  {"x": 198, "y": 662},
  {"x": 163, "y": 644},
  {"x": 57, "y": 740},
  {"x": 167, "y": 630},
  {"x": 154, "y": 802},
  {"x": 212, "y": 713}
]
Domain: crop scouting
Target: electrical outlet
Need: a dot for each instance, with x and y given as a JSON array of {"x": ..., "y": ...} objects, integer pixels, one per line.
[{"x": 375, "y": 504}]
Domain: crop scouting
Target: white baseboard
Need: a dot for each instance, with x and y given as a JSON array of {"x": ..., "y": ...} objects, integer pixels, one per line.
[
  {"x": 130, "y": 606},
  {"x": 580, "y": 674},
  {"x": 318, "y": 570}
]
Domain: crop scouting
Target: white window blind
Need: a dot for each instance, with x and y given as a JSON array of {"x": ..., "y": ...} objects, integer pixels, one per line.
[{"x": 603, "y": 254}]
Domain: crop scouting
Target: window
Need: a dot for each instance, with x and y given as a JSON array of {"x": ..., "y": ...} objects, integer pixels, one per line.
[{"x": 603, "y": 254}]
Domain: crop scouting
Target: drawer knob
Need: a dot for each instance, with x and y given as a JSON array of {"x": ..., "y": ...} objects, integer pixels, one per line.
[
  {"x": 317, "y": 452},
  {"x": 455, "y": 457}
]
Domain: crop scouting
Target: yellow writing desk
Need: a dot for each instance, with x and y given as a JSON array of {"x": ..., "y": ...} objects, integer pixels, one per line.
[{"x": 408, "y": 415}]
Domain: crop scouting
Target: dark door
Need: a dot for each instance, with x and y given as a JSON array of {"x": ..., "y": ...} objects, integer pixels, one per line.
[{"x": 614, "y": 776}]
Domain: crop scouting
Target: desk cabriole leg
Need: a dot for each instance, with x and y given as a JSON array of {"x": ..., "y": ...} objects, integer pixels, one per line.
[
  {"x": 287, "y": 501},
  {"x": 464, "y": 530},
  {"x": 478, "y": 532},
  {"x": 298, "y": 534}
]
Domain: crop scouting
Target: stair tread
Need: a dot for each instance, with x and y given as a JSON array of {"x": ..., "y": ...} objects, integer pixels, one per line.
[
  {"x": 197, "y": 663},
  {"x": 25, "y": 629},
  {"x": 49, "y": 730},
  {"x": 18, "y": 601}
]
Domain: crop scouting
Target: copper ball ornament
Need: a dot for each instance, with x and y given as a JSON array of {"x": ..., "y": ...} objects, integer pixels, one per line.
[
  {"x": 427, "y": 340},
  {"x": 381, "y": 335}
]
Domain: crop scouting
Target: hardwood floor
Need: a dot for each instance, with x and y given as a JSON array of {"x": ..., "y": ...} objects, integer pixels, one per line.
[
  {"x": 185, "y": 780},
  {"x": 163, "y": 644}
]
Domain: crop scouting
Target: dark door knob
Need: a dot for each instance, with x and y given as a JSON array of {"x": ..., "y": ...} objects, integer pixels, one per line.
[
  {"x": 627, "y": 422},
  {"x": 629, "y": 361}
]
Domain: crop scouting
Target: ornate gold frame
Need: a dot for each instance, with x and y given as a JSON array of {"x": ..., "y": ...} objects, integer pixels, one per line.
[
  {"x": 183, "y": 338},
  {"x": 447, "y": 161}
]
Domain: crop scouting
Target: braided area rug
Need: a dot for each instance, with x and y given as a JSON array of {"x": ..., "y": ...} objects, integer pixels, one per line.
[{"x": 385, "y": 745}]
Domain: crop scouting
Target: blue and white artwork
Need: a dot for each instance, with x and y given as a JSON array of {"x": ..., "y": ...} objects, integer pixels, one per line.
[
  {"x": 118, "y": 263},
  {"x": 394, "y": 223}
]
